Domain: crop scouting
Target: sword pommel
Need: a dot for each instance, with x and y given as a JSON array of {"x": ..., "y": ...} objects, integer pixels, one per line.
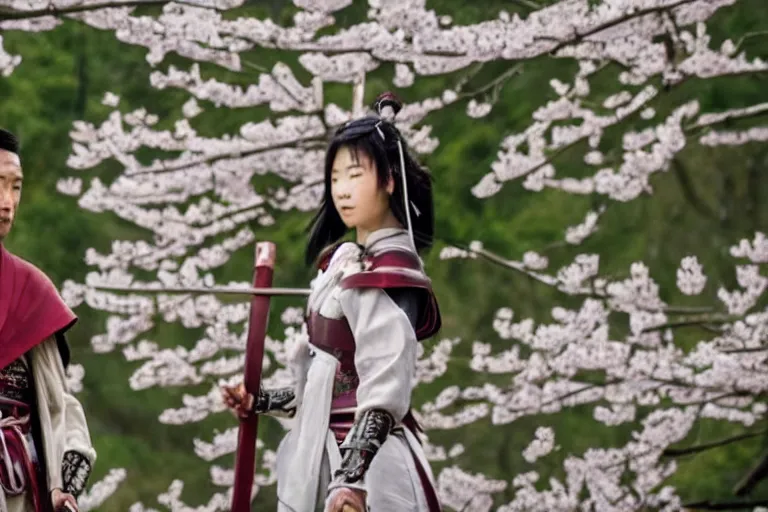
[{"x": 265, "y": 254}]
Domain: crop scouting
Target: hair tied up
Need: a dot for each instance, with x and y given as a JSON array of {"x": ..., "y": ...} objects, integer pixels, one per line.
[{"x": 387, "y": 106}]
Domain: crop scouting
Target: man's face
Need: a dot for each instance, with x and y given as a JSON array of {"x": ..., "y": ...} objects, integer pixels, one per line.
[{"x": 10, "y": 190}]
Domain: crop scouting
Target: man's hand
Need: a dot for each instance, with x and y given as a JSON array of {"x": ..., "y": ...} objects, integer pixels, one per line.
[
  {"x": 63, "y": 502},
  {"x": 344, "y": 499},
  {"x": 238, "y": 400}
]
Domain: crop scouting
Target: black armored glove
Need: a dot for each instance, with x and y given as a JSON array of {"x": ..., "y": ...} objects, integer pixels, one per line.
[
  {"x": 361, "y": 444},
  {"x": 276, "y": 402}
]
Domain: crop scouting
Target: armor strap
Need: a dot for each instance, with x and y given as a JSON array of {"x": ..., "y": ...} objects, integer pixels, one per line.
[
  {"x": 276, "y": 402},
  {"x": 75, "y": 470},
  {"x": 17, "y": 471},
  {"x": 362, "y": 443}
]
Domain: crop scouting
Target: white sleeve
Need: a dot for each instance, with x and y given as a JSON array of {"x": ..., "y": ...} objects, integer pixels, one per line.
[
  {"x": 61, "y": 416},
  {"x": 385, "y": 351},
  {"x": 78, "y": 437}
]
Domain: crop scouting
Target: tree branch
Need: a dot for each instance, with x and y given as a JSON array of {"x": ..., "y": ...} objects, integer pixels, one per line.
[
  {"x": 695, "y": 321},
  {"x": 528, "y": 4},
  {"x": 222, "y": 156},
  {"x": 681, "y": 310},
  {"x": 551, "y": 281},
  {"x": 725, "y": 505},
  {"x": 605, "y": 26},
  {"x": 755, "y": 475},
  {"x": 750, "y": 35},
  {"x": 52, "y": 10},
  {"x": 744, "y": 350},
  {"x": 499, "y": 80},
  {"x": 722, "y": 117},
  {"x": 688, "y": 192},
  {"x": 676, "y": 452},
  {"x": 406, "y": 53}
]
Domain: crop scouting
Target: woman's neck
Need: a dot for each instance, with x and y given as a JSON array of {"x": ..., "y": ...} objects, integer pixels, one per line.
[{"x": 389, "y": 222}]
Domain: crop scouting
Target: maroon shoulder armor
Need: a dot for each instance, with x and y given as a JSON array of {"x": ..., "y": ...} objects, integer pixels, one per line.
[{"x": 400, "y": 269}]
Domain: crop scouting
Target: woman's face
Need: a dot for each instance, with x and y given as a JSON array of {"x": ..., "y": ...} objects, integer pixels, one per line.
[{"x": 355, "y": 190}]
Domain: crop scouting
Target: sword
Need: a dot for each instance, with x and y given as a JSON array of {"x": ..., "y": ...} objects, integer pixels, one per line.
[
  {"x": 260, "y": 292},
  {"x": 223, "y": 290},
  {"x": 245, "y": 457}
]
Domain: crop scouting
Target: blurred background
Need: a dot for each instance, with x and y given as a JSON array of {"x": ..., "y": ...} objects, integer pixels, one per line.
[{"x": 707, "y": 200}]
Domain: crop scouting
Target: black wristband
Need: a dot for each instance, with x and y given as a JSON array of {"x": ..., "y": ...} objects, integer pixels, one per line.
[{"x": 75, "y": 470}]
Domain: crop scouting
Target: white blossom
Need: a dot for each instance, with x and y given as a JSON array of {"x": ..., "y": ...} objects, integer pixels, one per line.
[
  {"x": 541, "y": 445},
  {"x": 690, "y": 278},
  {"x": 199, "y": 205}
]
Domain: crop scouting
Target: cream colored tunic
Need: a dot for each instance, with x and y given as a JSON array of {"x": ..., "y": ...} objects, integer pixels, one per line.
[
  {"x": 385, "y": 359},
  {"x": 62, "y": 421}
]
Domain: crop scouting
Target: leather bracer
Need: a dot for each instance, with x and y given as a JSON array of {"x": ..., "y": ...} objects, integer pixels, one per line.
[
  {"x": 75, "y": 470},
  {"x": 361, "y": 444},
  {"x": 276, "y": 402}
]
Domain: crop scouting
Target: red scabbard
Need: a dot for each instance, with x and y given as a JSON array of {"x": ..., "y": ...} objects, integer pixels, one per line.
[{"x": 245, "y": 461}]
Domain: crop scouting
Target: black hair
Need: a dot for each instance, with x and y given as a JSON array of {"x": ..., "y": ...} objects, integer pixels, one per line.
[
  {"x": 378, "y": 139},
  {"x": 9, "y": 142}
]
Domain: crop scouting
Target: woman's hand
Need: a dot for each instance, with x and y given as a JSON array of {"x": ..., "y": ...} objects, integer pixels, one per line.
[
  {"x": 344, "y": 499},
  {"x": 63, "y": 502},
  {"x": 238, "y": 400}
]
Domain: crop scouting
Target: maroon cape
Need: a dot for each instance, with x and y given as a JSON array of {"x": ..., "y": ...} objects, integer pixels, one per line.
[{"x": 31, "y": 309}]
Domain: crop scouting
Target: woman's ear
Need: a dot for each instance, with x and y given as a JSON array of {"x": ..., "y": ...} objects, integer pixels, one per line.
[{"x": 391, "y": 184}]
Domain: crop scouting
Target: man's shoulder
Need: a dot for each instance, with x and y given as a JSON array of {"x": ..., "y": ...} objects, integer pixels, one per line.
[{"x": 30, "y": 273}]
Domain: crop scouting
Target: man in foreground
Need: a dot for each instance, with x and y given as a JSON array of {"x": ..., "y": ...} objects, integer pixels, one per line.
[{"x": 45, "y": 447}]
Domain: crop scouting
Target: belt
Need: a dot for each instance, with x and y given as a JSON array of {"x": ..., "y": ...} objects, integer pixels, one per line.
[{"x": 17, "y": 468}]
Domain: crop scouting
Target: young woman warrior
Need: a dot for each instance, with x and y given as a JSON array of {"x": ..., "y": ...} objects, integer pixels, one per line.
[{"x": 354, "y": 446}]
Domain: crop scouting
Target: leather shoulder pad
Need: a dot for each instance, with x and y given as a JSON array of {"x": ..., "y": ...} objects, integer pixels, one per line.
[
  {"x": 400, "y": 269},
  {"x": 390, "y": 269}
]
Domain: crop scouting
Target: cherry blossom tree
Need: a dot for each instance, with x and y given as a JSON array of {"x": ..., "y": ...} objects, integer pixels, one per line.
[{"x": 200, "y": 201}]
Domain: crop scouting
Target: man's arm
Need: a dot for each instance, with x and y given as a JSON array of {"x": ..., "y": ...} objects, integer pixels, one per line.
[
  {"x": 79, "y": 455},
  {"x": 66, "y": 442},
  {"x": 78, "y": 452}
]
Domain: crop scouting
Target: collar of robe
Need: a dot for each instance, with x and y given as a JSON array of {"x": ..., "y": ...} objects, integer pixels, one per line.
[{"x": 31, "y": 309}]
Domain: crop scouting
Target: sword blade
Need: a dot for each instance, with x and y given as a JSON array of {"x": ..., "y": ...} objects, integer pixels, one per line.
[{"x": 299, "y": 292}]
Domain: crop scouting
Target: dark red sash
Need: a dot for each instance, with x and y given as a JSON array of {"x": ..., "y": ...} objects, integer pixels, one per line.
[{"x": 17, "y": 472}]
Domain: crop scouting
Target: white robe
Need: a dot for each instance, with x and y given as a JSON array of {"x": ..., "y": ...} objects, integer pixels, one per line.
[
  {"x": 385, "y": 360},
  {"x": 62, "y": 422}
]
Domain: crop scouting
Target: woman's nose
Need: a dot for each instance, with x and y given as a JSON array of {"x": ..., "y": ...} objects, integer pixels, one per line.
[{"x": 341, "y": 189}]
